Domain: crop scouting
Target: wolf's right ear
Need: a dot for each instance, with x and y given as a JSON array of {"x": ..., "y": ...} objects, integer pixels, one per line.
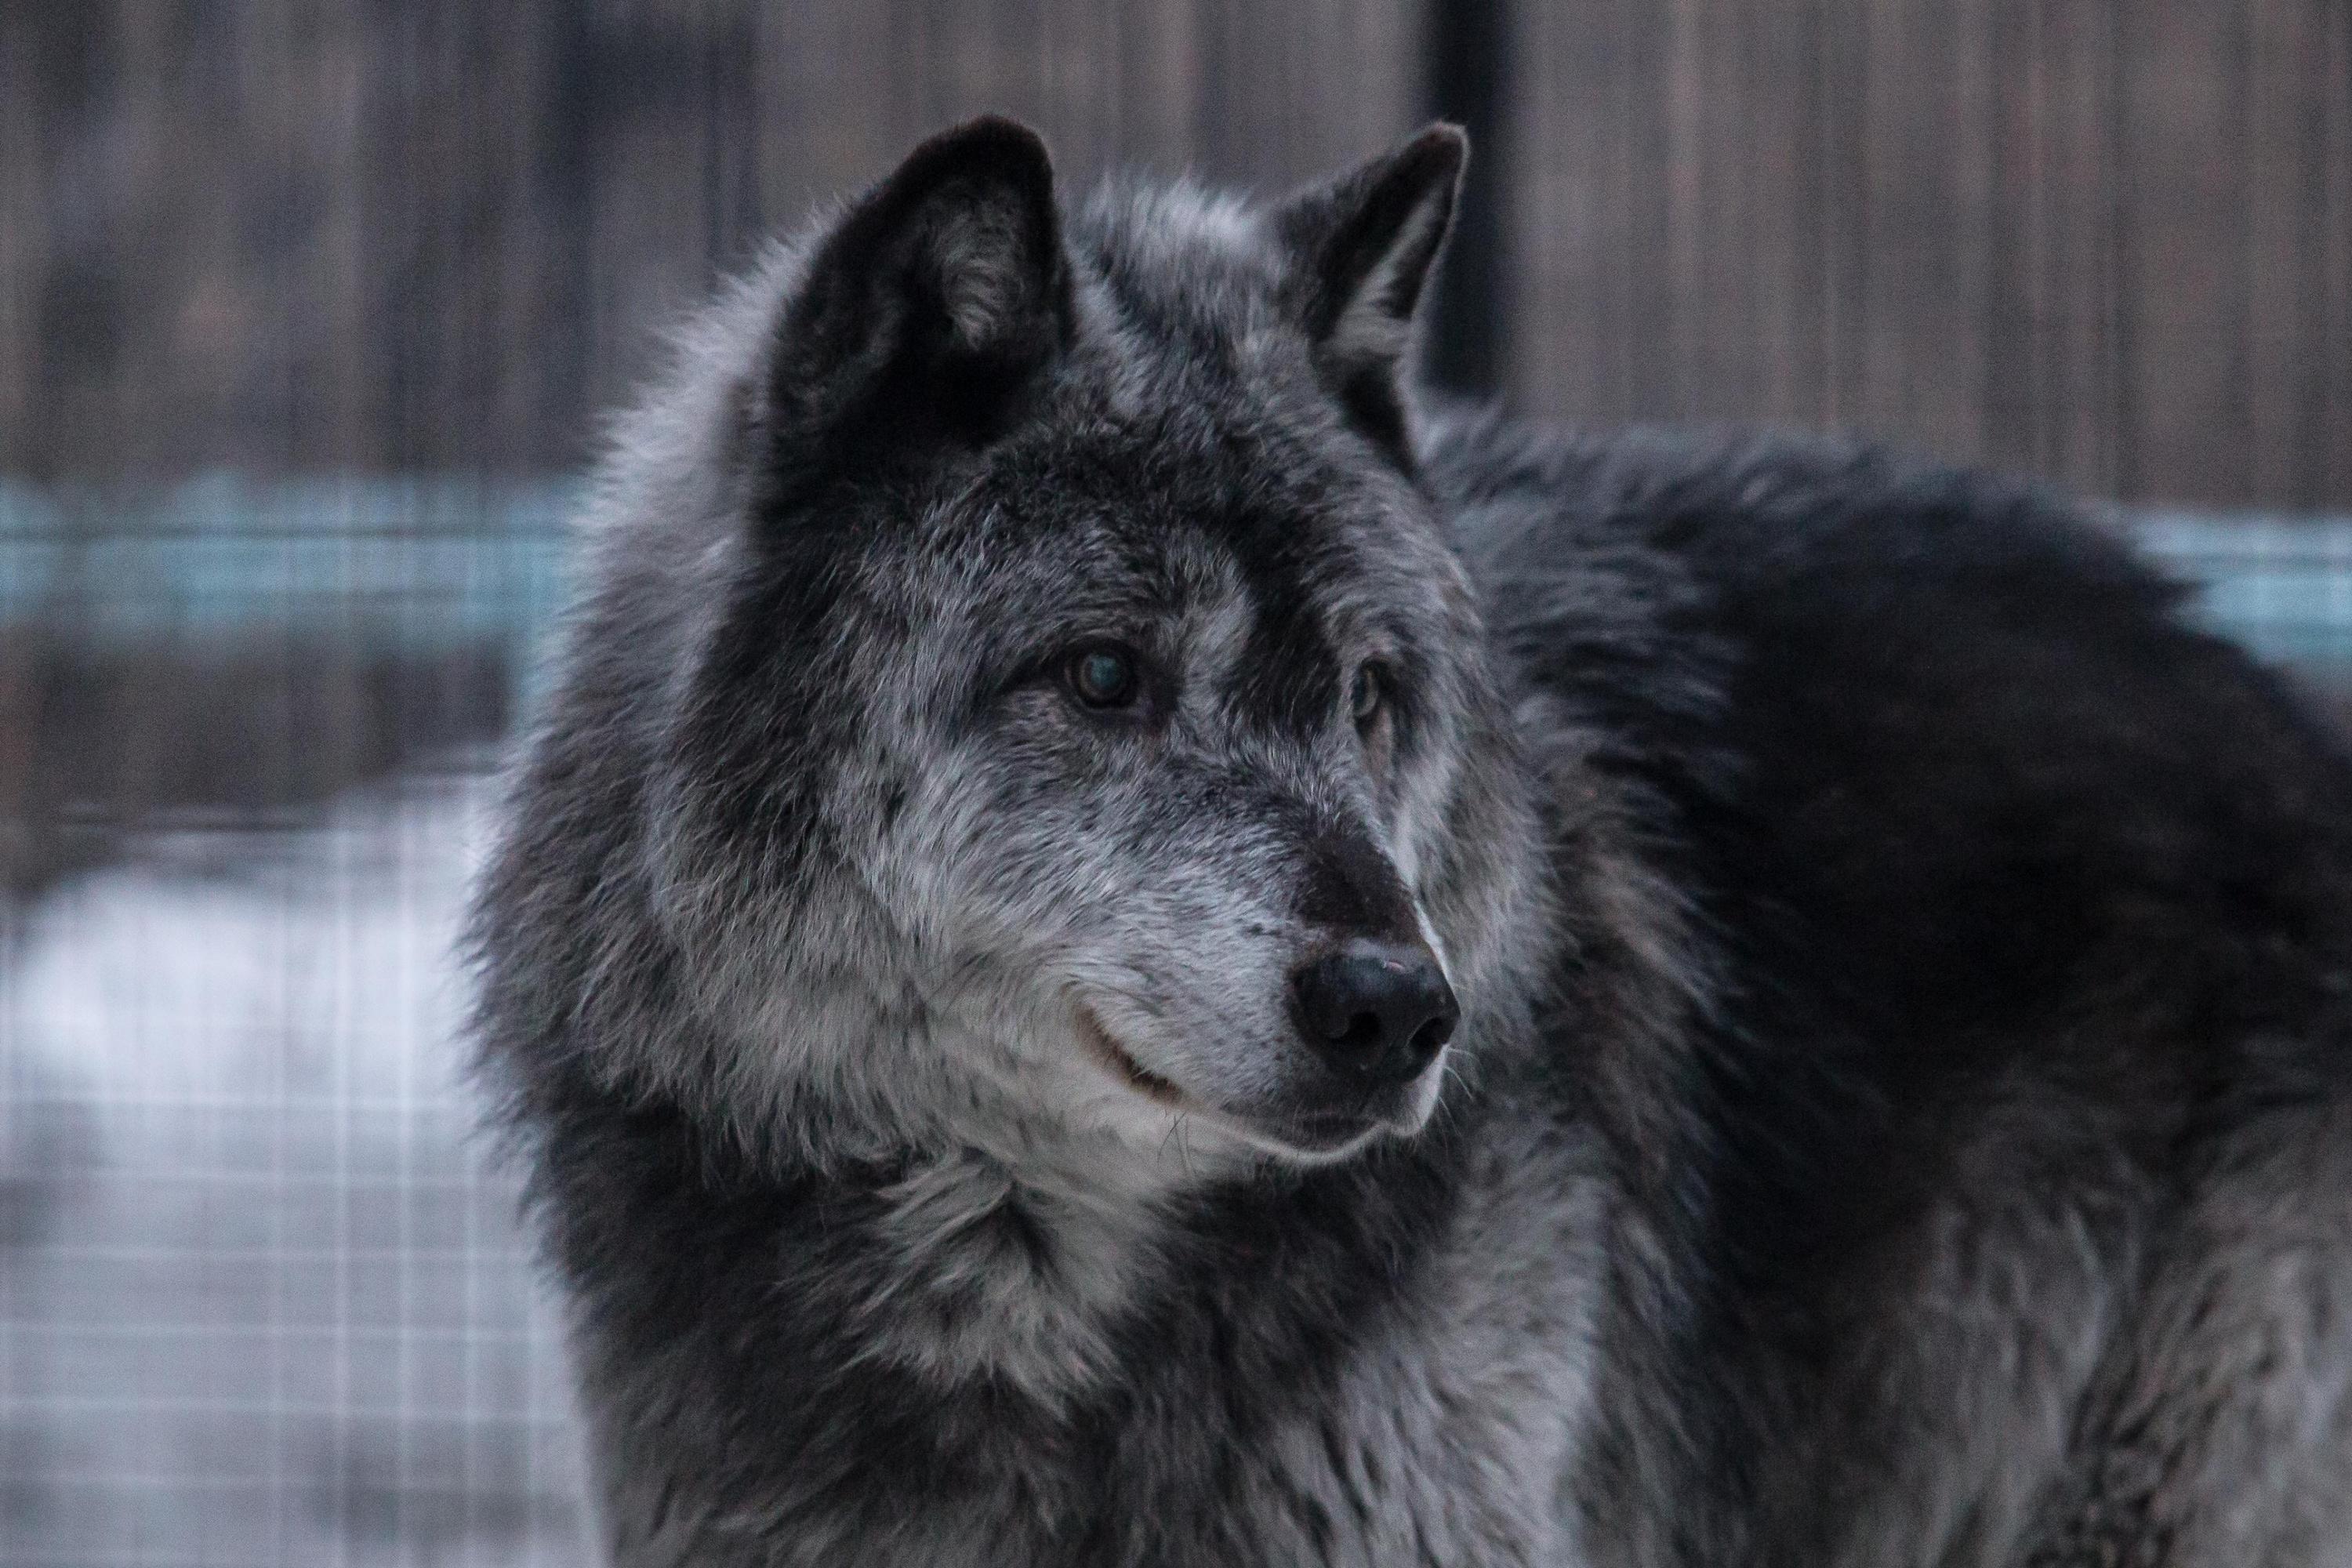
[{"x": 934, "y": 305}]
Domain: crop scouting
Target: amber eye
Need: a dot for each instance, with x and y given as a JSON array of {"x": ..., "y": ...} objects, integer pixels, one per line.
[
  {"x": 1366, "y": 692},
  {"x": 1103, "y": 676}
]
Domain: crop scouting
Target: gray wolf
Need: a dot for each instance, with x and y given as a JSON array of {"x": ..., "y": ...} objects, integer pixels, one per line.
[{"x": 1126, "y": 941}]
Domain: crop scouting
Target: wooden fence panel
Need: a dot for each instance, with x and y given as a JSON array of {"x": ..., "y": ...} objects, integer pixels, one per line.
[
  {"x": 2100, "y": 241},
  {"x": 2109, "y": 241}
]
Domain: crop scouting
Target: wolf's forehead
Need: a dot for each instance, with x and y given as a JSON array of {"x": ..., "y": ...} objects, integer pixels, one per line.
[
  {"x": 1200, "y": 557},
  {"x": 1196, "y": 499},
  {"x": 1188, "y": 265}
]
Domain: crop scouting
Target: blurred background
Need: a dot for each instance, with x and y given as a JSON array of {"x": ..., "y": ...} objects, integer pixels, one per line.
[{"x": 306, "y": 315}]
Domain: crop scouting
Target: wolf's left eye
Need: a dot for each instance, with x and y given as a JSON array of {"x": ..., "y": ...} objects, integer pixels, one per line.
[
  {"x": 1103, "y": 676},
  {"x": 1368, "y": 692}
]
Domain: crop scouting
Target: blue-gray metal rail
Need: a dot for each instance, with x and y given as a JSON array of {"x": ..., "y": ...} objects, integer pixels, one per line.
[{"x": 422, "y": 564}]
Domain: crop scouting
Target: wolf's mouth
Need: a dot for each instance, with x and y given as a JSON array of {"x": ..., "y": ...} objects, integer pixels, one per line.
[
  {"x": 1314, "y": 1136},
  {"x": 1109, "y": 1051}
]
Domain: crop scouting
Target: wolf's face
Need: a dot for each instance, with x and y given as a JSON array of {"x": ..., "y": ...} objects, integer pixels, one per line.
[{"x": 1088, "y": 717}]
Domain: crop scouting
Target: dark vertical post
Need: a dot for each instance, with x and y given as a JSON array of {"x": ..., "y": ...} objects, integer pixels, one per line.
[
  {"x": 1465, "y": 43},
  {"x": 569, "y": 129}
]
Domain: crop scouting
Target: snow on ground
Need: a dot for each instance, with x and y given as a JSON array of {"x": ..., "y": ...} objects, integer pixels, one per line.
[{"x": 263, "y": 1300}]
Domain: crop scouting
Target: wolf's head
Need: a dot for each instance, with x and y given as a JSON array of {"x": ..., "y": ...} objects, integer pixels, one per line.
[{"x": 1070, "y": 715}]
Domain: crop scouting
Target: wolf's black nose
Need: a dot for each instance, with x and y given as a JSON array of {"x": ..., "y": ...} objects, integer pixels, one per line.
[{"x": 1377, "y": 1009}]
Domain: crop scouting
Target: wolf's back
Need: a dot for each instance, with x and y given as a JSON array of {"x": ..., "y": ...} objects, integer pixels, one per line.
[{"x": 2024, "y": 1098}]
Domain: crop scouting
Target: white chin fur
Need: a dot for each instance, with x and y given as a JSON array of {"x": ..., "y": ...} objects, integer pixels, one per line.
[{"x": 1190, "y": 1130}]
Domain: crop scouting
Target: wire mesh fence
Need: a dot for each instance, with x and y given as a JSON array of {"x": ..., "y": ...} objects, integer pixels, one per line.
[
  {"x": 263, "y": 1294},
  {"x": 302, "y": 306}
]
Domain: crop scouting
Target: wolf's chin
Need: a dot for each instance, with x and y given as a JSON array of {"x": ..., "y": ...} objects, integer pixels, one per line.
[
  {"x": 1321, "y": 1139},
  {"x": 1296, "y": 1145}
]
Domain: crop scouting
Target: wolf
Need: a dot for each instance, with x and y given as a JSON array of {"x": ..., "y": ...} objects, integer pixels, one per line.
[{"x": 1126, "y": 941}]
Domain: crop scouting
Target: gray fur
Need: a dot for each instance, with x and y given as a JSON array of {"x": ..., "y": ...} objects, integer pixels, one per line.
[{"x": 1897, "y": 1110}]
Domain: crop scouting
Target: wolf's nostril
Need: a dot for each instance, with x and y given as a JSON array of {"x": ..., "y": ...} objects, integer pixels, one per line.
[{"x": 1379, "y": 1010}]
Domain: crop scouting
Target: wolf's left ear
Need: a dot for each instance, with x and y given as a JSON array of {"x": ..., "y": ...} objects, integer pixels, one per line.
[
  {"x": 1361, "y": 250},
  {"x": 934, "y": 304}
]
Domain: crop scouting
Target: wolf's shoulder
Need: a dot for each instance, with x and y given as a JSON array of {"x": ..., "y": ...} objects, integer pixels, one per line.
[
  {"x": 1951, "y": 723},
  {"x": 1834, "y": 590},
  {"x": 1755, "y": 527}
]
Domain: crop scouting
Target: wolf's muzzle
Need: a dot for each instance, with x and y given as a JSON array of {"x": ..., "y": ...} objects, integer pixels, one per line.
[{"x": 1377, "y": 1012}]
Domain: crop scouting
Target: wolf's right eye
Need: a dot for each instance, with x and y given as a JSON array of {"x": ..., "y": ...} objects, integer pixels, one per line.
[
  {"x": 1103, "y": 676},
  {"x": 1366, "y": 692}
]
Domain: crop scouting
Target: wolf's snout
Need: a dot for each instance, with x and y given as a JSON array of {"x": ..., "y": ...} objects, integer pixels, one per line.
[{"x": 1375, "y": 1010}]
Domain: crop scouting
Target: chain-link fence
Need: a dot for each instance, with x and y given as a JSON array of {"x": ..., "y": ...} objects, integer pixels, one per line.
[{"x": 305, "y": 315}]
